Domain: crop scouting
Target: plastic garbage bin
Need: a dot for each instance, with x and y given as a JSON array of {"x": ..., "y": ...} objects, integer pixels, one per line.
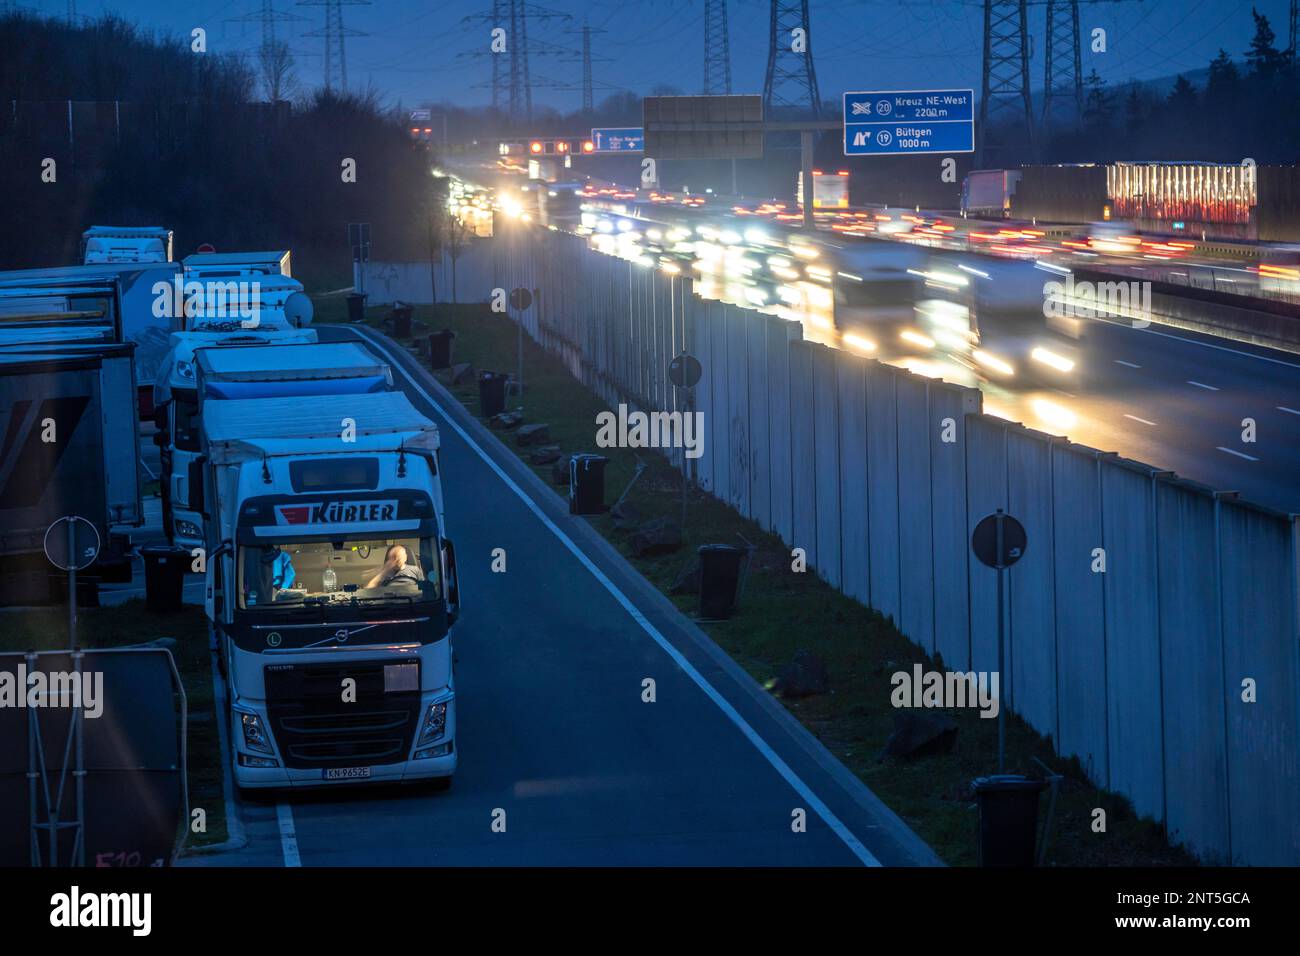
[
  {"x": 1008, "y": 806},
  {"x": 492, "y": 393},
  {"x": 587, "y": 484},
  {"x": 356, "y": 307},
  {"x": 402, "y": 321},
  {"x": 720, "y": 566},
  {"x": 440, "y": 349},
  {"x": 164, "y": 576}
]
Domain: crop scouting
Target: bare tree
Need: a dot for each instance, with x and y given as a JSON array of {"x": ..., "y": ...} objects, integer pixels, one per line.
[{"x": 276, "y": 67}]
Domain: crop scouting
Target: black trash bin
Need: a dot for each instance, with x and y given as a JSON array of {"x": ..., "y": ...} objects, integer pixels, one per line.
[
  {"x": 440, "y": 348},
  {"x": 720, "y": 566},
  {"x": 164, "y": 576},
  {"x": 587, "y": 484},
  {"x": 356, "y": 307},
  {"x": 402, "y": 321},
  {"x": 1008, "y": 805},
  {"x": 492, "y": 393}
]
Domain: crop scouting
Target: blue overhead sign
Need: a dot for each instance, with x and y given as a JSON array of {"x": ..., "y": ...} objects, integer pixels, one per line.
[
  {"x": 894, "y": 122},
  {"x": 627, "y": 140}
]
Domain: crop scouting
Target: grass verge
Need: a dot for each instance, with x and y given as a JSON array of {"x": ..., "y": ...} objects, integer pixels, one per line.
[
  {"x": 783, "y": 611},
  {"x": 45, "y": 629}
]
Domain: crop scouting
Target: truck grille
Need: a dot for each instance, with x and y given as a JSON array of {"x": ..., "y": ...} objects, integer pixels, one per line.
[{"x": 314, "y": 728}]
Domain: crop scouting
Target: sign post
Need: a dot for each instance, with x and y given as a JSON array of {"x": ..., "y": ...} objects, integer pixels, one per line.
[
  {"x": 909, "y": 122},
  {"x": 72, "y": 544},
  {"x": 999, "y": 541}
]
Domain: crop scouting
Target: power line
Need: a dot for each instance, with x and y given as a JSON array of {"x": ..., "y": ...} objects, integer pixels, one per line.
[
  {"x": 512, "y": 16},
  {"x": 1005, "y": 94},
  {"x": 1062, "y": 70},
  {"x": 791, "y": 80},
  {"x": 334, "y": 33},
  {"x": 717, "y": 48}
]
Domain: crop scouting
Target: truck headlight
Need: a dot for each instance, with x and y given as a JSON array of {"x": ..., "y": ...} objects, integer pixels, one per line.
[
  {"x": 435, "y": 724},
  {"x": 187, "y": 529},
  {"x": 185, "y": 368},
  {"x": 254, "y": 734}
]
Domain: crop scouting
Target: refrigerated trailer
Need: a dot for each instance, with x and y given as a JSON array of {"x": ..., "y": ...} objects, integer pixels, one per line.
[
  {"x": 272, "y": 262},
  {"x": 335, "y": 644},
  {"x": 126, "y": 244},
  {"x": 277, "y": 368}
]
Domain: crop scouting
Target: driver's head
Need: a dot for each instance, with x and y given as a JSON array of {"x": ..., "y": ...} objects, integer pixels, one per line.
[{"x": 397, "y": 554}]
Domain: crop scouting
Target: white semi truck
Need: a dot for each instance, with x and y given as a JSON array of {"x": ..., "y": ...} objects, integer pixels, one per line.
[
  {"x": 331, "y": 589},
  {"x": 294, "y": 367},
  {"x": 126, "y": 244}
]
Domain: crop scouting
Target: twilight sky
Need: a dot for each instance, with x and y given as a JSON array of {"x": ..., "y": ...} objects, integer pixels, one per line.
[{"x": 410, "y": 49}]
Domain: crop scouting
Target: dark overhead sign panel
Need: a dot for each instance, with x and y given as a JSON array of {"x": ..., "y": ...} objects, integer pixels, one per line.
[{"x": 703, "y": 127}]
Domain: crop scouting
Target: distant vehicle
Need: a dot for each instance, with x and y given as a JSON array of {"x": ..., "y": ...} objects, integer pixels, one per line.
[
  {"x": 126, "y": 244},
  {"x": 830, "y": 190},
  {"x": 559, "y": 205},
  {"x": 331, "y": 590},
  {"x": 543, "y": 170},
  {"x": 987, "y": 193}
]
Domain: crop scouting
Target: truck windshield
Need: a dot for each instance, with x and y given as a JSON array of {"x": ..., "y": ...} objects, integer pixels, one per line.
[{"x": 363, "y": 571}]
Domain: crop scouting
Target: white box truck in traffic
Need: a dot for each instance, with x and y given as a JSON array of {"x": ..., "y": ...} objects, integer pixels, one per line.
[
  {"x": 278, "y": 368},
  {"x": 830, "y": 190},
  {"x": 331, "y": 589},
  {"x": 987, "y": 193}
]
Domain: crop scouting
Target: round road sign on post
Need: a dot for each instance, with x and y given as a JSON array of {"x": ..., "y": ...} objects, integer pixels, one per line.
[
  {"x": 521, "y": 298},
  {"x": 684, "y": 371},
  {"x": 72, "y": 552},
  {"x": 984, "y": 541}
]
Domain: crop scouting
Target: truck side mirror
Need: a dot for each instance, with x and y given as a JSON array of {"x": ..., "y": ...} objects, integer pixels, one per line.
[
  {"x": 194, "y": 485},
  {"x": 451, "y": 581},
  {"x": 160, "y": 418}
]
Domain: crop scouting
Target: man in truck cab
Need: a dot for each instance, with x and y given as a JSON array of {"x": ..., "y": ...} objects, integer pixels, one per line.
[{"x": 396, "y": 569}]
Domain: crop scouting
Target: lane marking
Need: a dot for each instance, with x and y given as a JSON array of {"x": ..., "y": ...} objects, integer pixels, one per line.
[
  {"x": 1129, "y": 364},
  {"x": 1136, "y": 419},
  {"x": 1208, "y": 388},
  {"x": 288, "y": 836},
  {"x": 1239, "y": 454},
  {"x": 1207, "y": 345},
  {"x": 1065, "y": 393},
  {"x": 794, "y": 780},
  {"x": 1289, "y": 411}
]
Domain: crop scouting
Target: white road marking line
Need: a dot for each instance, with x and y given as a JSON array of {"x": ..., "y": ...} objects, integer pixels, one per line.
[
  {"x": 1208, "y": 388},
  {"x": 1065, "y": 393},
  {"x": 288, "y": 837},
  {"x": 794, "y": 780},
  {"x": 1136, "y": 419},
  {"x": 1289, "y": 411},
  {"x": 1129, "y": 364},
  {"x": 1239, "y": 454}
]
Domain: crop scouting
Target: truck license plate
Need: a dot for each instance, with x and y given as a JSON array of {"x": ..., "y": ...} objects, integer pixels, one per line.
[{"x": 346, "y": 773}]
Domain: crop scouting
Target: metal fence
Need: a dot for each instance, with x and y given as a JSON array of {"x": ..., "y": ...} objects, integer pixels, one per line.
[{"x": 1153, "y": 624}]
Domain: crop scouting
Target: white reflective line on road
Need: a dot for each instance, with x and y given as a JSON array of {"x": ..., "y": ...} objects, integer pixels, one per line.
[
  {"x": 1129, "y": 364},
  {"x": 794, "y": 780},
  {"x": 1065, "y": 393},
  {"x": 1289, "y": 411},
  {"x": 1208, "y": 388},
  {"x": 1136, "y": 419},
  {"x": 1239, "y": 454},
  {"x": 288, "y": 838},
  {"x": 1207, "y": 345}
]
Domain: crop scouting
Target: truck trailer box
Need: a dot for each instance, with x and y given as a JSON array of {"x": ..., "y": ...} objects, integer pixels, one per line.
[
  {"x": 126, "y": 244},
  {"x": 274, "y": 262},
  {"x": 259, "y": 372},
  {"x": 74, "y": 445}
]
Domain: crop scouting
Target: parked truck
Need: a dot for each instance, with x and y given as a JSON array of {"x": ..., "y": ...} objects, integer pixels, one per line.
[
  {"x": 274, "y": 262},
  {"x": 988, "y": 193},
  {"x": 331, "y": 589},
  {"x": 126, "y": 244},
  {"x": 225, "y": 371}
]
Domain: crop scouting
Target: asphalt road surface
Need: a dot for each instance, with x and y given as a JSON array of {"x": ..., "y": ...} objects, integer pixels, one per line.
[{"x": 550, "y": 659}]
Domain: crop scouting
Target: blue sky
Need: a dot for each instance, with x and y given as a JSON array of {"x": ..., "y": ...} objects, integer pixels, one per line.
[{"x": 410, "y": 52}]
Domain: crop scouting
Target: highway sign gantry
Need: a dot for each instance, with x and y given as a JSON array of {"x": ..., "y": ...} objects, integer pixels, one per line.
[{"x": 905, "y": 122}]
